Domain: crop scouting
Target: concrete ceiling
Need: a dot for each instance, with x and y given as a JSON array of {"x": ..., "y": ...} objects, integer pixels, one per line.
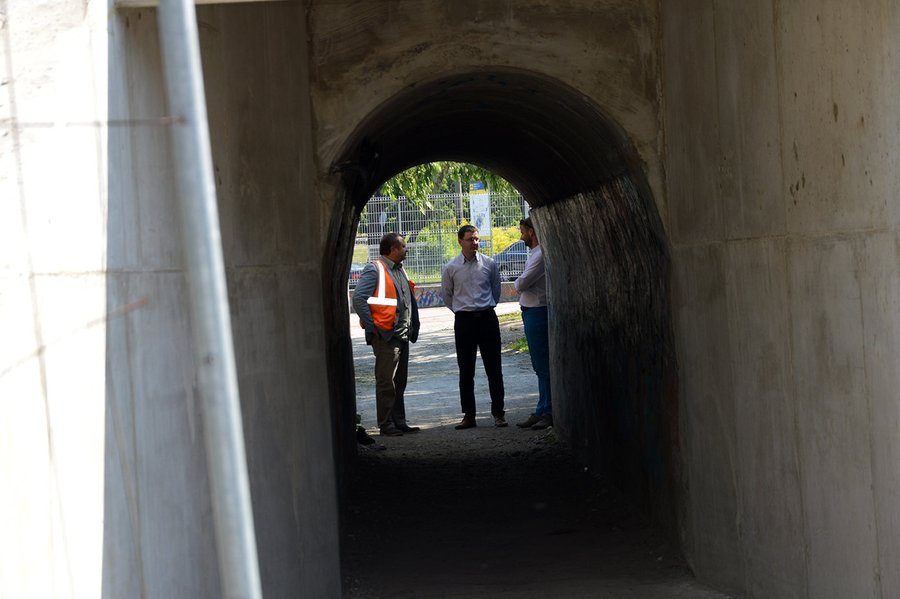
[{"x": 548, "y": 140}]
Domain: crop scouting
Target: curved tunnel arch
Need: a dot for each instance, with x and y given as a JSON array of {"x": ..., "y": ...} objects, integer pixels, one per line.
[
  {"x": 547, "y": 139},
  {"x": 611, "y": 343}
]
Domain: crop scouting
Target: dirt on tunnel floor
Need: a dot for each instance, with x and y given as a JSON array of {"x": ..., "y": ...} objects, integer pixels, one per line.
[{"x": 489, "y": 512}]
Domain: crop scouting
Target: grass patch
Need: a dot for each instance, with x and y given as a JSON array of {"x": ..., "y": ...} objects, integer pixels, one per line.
[
  {"x": 519, "y": 346},
  {"x": 511, "y": 317}
]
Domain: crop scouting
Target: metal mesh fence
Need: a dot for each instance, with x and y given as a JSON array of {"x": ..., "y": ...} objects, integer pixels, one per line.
[{"x": 430, "y": 229}]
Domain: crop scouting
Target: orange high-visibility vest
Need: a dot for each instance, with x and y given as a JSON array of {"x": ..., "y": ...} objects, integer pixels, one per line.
[{"x": 383, "y": 303}]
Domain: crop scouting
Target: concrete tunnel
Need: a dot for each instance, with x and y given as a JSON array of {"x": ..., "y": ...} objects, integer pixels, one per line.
[
  {"x": 728, "y": 169},
  {"x": 611, "y": 343}
]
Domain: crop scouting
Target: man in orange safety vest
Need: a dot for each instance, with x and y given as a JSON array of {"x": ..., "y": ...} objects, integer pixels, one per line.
[{"x": 385, "y": 301}]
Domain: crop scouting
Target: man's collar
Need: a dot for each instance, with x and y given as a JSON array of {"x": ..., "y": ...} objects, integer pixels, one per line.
[
  {"x": 475, "y": 258},
  {"x": 389, "y": 262}
]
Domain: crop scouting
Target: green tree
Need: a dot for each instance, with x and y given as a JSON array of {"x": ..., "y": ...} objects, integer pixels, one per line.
[
  {"x": 431, "y": 178},
  {"x": 418, "y": 183}
]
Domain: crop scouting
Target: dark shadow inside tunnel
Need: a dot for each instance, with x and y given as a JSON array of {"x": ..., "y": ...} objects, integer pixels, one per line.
[
  {"x": 530, "y": 523},
  {"x": 612, "y": 356}
]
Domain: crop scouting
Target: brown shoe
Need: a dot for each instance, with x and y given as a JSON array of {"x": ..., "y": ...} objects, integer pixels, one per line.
[
  {"x": 390, "y": 431},
  {"x": 532, "y": 420},
  {"x": 544, "y": 422},
  {"x": 404, "y": 427},
  {"x": 467, "y": 422},
  {"x": 499, "y": 421}
]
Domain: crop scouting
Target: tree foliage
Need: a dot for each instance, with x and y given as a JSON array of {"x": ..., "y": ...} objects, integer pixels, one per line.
[
  {"x": 431, "y": 178},
  {"x": 415, "y": 189}
]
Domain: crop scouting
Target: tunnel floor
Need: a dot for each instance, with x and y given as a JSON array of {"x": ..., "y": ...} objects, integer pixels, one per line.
[{"x": 489, "y": 512}]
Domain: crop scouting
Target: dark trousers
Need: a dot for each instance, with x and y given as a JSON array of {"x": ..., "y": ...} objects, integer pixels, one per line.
[
  {"x": 478, "y": 331},
  {"x": 391, "y": 367}
]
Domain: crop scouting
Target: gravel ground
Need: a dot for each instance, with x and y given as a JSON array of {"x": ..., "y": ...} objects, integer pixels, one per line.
[{"x": 489, "y": 512}]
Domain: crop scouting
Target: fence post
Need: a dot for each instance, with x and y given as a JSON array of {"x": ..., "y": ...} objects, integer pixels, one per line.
[{"x": 440, "y": 236}]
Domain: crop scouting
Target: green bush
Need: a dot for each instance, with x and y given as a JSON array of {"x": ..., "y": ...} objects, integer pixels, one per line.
[
  {"x": 503, "y": 237},
  {"x": 441, "y": 236}
]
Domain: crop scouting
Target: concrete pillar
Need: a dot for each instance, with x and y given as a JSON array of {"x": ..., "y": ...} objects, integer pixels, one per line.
[
  {"x": 257, "y": 79},
  {"x": 52, "y": 298},
  {"x": 781, "y": 128},
  {"x": 158, "y": 538},
  {"x": 102, "y": 461}
]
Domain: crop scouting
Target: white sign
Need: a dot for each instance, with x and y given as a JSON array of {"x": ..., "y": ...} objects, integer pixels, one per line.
[{"x": 480, "y": 211}]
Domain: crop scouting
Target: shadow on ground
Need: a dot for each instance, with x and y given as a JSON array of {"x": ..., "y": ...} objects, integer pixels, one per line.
[{"x": 490, "y": 512}]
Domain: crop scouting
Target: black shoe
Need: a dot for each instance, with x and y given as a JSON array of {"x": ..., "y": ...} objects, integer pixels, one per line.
[
  {"x": 467, "y": 422},
  {"x": 362, "y": 437},
  {"x": 391, "y": 431}
]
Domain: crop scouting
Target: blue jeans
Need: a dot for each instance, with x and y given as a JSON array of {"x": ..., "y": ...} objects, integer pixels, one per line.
[{"x": 538, "y": 336}]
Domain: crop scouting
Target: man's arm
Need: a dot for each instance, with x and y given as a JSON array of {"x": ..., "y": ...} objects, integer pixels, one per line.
[
  {"x": 365, "y": 287},
  {"x": 447, "y": 286},
  {"x": 495, "y": 281},
  {"x": 533, "y": 272},
  {"x": 414, "y": 320}
]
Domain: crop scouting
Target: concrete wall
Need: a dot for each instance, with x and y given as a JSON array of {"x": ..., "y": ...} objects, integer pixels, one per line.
[
  {"x": 771, "y": 165},
  {"x": 364, "y": 53},
  {"x": 160, "y": 541},
  {"x": 52, "y": 302},
  {"x": 782, "y": 143},
  {"x": 102, "y": 461}
]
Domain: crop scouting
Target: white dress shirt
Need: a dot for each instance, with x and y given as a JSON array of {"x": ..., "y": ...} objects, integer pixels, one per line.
[
  {"x": 470, "y": 285},
  {"x": 532, "y": 283}
]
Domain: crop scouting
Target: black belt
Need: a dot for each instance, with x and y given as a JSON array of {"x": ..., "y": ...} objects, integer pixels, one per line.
[
  {"x": 525, "y": 308},
  {"x": 475, "y": 313}
]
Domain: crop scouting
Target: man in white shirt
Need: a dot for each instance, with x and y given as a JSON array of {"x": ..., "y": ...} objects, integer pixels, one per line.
[
  {"x": 532, "y": 288},
  {"x": 470, "y": 286}
]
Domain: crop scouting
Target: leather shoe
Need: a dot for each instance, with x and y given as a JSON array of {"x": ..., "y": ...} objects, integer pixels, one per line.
[
  {"x": 363, "y": 437},
  {"x": 544, "y": 422},
  {"x": 532, "y": 420},
  {"x": 407, "y": 428},
  {"x": 500, "y": 421},
  {"x": 391, "y": 431},
  {"x": 467, "y": 422}
]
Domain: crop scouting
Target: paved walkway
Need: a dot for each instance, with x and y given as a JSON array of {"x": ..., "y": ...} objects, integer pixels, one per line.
[{"x": 432, "y": 397}]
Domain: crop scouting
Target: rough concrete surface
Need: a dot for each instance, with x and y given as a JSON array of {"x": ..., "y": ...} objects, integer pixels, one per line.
[
  {"x": 768, "y": 133},
  {"x": 489, "y": 512},
  {"x": 782, "y": 219}
]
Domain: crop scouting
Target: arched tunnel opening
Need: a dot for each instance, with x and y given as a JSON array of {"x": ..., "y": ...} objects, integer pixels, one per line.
[{"x": 612, "y": 355}]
